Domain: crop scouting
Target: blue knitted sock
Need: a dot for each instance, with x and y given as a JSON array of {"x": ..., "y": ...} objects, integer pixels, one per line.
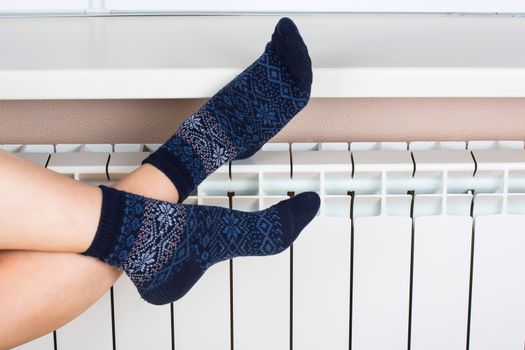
[
  {"x": 243, "y": 115},
  {"x": 165, "y": 248}
]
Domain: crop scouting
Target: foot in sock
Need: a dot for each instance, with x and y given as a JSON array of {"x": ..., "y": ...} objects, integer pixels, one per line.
[
  {"x": 243, "y": 115},
  {"x": 165, "y": 248}
]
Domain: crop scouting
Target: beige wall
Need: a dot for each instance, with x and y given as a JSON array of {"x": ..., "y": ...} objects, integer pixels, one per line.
[{"x": 348, "y": 119}]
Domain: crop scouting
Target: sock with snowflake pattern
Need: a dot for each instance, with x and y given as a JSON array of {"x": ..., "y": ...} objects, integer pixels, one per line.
[
  {"x": 165, "y": 248},
  {"x": 243, "y": 115}
]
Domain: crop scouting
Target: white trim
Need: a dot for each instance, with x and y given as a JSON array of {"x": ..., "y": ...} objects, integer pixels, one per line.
[
  {"x": 353, "y": 55},
  {"x": 203, "y": 83}
]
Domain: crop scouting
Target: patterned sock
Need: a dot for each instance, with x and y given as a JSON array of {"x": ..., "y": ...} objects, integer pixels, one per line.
[
  {"x": 165, "y": 248},
  {"x": 243, "y": 115}
]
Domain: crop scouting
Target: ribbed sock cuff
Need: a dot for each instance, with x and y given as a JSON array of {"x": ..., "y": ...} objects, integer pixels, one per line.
[
  {"x": 170, "y": 164},
  {"x": 111, "y": 216}
]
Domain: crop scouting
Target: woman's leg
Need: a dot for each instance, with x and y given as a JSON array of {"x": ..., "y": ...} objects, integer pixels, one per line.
[
  {"x": 27, "y": 312},
  {"x": 45, "y": 211},
  {"x": 165, "y": 248}
]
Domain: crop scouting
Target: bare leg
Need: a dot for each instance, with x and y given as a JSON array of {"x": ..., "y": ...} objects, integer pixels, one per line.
[
  {"x": 45, "y": 211},
  {"x": 60, "y": 297},
  {"x": 42, "y": 210}
]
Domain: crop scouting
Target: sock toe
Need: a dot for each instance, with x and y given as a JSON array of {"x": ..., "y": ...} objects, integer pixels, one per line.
[
  {"x": 302, "y": 209},
  {"x": 291, "y": 49}
]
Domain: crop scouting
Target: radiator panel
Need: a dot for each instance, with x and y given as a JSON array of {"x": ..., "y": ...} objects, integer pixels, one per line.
[
  {"x": 43, "y": 343},
  {"x": 321, "y": 312},
  {"x": 91, "y": 330},
  {"x": 361, "y": 184},
  {"x": 441, "y": 282},
  {"x": 261, "y": 307},
  {"x": 498, "y": 294},
  {"x": 381, "y": 282},
  {"x": 139, "y": 325},
  {"x": 202, "y": 317}
]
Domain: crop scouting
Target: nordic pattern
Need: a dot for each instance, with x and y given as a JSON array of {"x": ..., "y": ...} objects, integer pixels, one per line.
[
  {"x": 213, "y": 147},
  {"x": 213, "y": 234},
  {"x": 160, "y": 232},
  {"x": 258, "y": 103},
  {"x": 236, "y": 122},
  {"x": 157, "y": 239}
]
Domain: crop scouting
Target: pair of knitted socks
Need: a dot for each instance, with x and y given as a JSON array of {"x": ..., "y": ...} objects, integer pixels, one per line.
[{"x": 165, "y": 248}]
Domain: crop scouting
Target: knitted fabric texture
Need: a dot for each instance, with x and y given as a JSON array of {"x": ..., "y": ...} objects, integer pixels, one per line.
[
  {"x": 243, "y": 115},
  {"x": 165, "y": 248}
]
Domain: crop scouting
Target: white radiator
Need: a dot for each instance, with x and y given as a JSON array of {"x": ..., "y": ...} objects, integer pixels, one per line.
[{"x": 416, "y": 246}]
